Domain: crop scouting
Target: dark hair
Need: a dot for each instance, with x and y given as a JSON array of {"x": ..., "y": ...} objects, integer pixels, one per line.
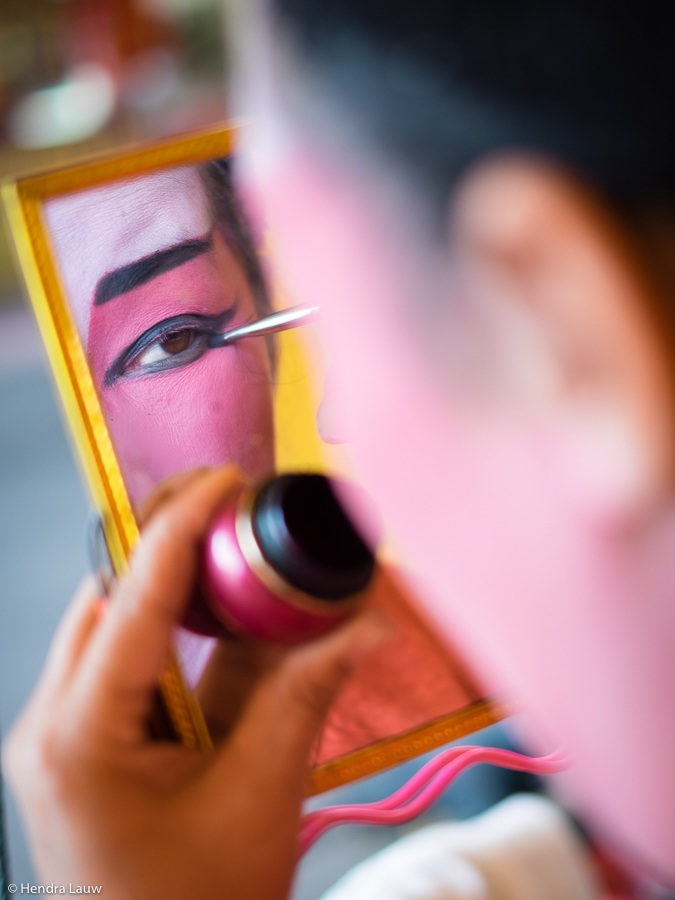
[
  {"x": 438, "y": 83},
  {"x": 216, "y": 176}
]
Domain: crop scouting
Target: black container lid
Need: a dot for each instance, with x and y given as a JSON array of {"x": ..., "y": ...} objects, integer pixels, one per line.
[{"x": 304, "y": 534}]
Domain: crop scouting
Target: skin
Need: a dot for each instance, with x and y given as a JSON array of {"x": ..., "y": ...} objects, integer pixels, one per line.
[
  {"x": 170, "y": 822},
  {"x": 507, "y": 389},
  {"x": 225, "y": 408}
]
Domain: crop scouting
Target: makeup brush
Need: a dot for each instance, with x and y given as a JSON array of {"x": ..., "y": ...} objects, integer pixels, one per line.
[{"x": 276, "y": 321}]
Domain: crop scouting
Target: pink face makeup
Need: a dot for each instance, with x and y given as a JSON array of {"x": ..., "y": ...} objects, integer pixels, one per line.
[
  {"x": 557, "y": 609},
  {"x": 150, "y": 278},
  {"x": 205, "y": 411}
]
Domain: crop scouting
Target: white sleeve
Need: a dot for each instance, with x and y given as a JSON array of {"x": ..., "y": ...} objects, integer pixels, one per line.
[{"x": 522, "y": 849}]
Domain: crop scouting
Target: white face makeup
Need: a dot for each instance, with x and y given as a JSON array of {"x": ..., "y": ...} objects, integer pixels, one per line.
[
  {"x": 150, "y": 276},
  {"x": 99, "y": 231}
]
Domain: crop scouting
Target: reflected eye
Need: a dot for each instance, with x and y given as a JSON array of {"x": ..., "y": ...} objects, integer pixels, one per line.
[
  {"x": 170, "y": 344},
  {"x": 169, "y": 350}
]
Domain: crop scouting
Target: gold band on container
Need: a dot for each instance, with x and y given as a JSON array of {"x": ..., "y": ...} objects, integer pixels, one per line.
[{"x": 271, "y": 578}]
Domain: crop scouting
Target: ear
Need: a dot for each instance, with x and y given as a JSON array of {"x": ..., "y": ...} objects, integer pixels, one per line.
[{"x": 555, "y": 266}]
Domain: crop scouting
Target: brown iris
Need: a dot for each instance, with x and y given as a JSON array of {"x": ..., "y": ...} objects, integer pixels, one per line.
[
  {"x": 170, "y": 344},
  {"x": 177, "y": 341}
]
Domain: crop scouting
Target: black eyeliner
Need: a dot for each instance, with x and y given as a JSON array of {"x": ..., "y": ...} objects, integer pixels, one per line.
[{"x": 204, "y": 325}]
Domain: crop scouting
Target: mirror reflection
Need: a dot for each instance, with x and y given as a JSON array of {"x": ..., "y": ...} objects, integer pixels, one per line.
[{"x": 153, "y": 268}]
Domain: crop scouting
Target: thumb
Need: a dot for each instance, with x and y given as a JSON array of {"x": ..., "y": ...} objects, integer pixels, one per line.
[{"x": 285, "y": 712}]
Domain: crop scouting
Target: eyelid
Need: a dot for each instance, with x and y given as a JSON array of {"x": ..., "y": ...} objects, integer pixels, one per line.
[{"x": 204, "y": 324}]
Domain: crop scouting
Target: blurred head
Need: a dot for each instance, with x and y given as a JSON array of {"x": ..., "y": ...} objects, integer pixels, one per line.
[
  {"x": 153, "y": 267},
  {"x": 480, "y": 196}
]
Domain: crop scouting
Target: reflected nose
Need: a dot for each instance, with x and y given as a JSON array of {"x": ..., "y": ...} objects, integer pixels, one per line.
[{"x": 329, "y": 422}]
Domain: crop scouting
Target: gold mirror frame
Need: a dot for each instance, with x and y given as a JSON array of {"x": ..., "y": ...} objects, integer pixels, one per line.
[{"x": 23, "y": 201}]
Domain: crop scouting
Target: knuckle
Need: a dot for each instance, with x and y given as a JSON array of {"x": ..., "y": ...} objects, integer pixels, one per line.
[
  {"x": 37, "y": 755},
  {"x": 48, "y": 754},
  {"x": 311, "y": 692},
  {"x": 58, "y": 766}
]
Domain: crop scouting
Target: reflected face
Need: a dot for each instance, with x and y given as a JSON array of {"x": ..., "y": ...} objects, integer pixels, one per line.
[{"x": 150, "y": 277}]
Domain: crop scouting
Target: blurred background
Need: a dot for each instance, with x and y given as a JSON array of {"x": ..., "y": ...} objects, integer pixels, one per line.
[{"x": 76, "y": 77}]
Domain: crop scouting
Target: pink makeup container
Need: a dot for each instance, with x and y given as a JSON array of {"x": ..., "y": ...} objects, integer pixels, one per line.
[{"x": 283, "y": 564}]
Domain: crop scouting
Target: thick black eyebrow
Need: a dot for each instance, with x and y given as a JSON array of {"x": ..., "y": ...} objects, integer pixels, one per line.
[{"x": 148, "y": 267}]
